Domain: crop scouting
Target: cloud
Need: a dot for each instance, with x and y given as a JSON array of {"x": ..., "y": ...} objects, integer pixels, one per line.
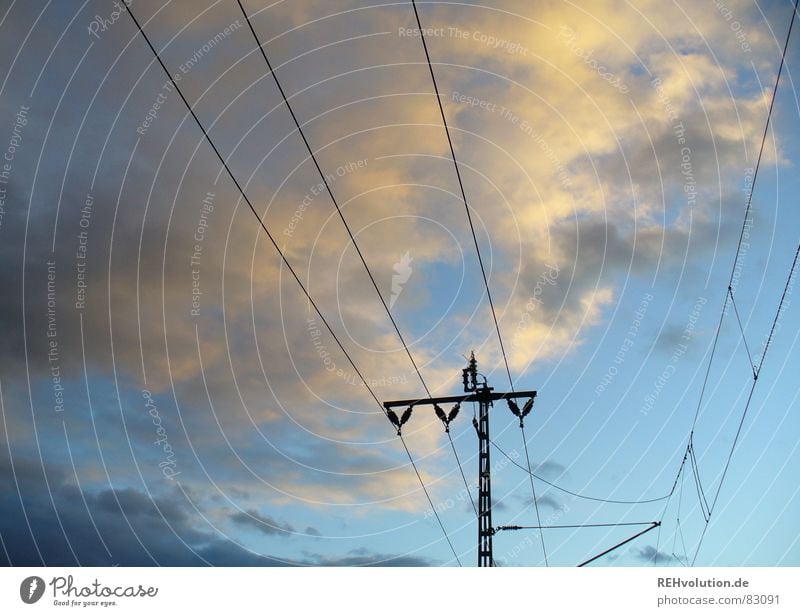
[
  {"x": 58, "y": 524},
  {"x": 550, "y": 468},
  {"x": 266, "y": 524},
  {"x": 649, "y": 554},
  {"x": 366, "y": 558},
  {"x": 574, "y": 185},
  {"x": 545, "y": 501}
]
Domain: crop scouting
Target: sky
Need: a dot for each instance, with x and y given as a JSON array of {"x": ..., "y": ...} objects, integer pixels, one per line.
[{"x": 170, "y": 396}]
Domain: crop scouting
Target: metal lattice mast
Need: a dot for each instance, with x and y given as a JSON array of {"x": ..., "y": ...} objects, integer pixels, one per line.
[
  {"x": 484, "y": 396},
  {"x": 485, "y": 529}
]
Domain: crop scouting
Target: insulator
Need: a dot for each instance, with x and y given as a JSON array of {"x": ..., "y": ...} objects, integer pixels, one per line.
[
  {"x": 406, "y": 415},
  {"x": 513, "y": 406},
  {"x": 453, "y": 412},
  {"x": 527, "y": 407},
  {"x": 440, "y": 413},
  {"x": 393, "y": 418},
  {"x": 473, "y": 371}
]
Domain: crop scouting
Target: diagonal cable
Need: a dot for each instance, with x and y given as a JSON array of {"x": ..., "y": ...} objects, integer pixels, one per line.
[
  {"x": 741, "y": 329},
  {"x": 346, "y": 226},
  {"x": 701, "y": 497},
  {"x": 749, "y": 400},
  {"x": 461, "y": 470},
  {"x": 576, "y": 494},
  {"x": 289, "y": 266},
  {"x": 330, "y": 193},
  {"x": 728, "y": 293},
  {"x": 463, "y": 193},
  {"x": 533, "y": 491}
]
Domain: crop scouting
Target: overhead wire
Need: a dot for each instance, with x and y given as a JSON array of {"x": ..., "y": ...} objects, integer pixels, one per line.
[
  {"x": 461, "y": 470},
  {"x": 729, "y": 292},
  {"x": 350, "y": 234},
  {"x": 533, "y": 491},
  {"x": 728, "y": 295},
  {"x": 696, "y": 470},
  {"x": 477, "y": 245},
  {"x": 668, "y": 498},
  {"x": 463, "y": 192},
  {"x": 621, "y": 543},
  {"x": 677, "y": 521},
  {"x": 748, "y": 207},
  {"x": 577, "y": 494},
  {"x": 561, "y": 526},
  {"x": 741, "y": 329},
  {"x": 290, "y": 268},
  {"x": 746, "y": 408}
]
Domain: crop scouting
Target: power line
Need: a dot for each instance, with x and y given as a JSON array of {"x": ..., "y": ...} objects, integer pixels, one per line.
[
  {"x": 430, "y": 500},
  {"x": 701, "y": 493},
  {"x": 533, "y": 490},
  {"x": 576, "y": 494},
  {"x": 477, "y": 245},
  {"x": 289, "y": 267},
  {"x": 668, "y": 498},
  {"x": 741, "y": 329},
  {"x": 480, "y": 258},
  {"x": 729, "y": 293},
  {"x": 747, "y": 404},
  {"x": 780, "y": 306},
  {"x": 605, "y": 525},
  {"x": 345, "y": 223},
  {"x": 763, "y": 141},
  {"x": 463, "y": 193},
  {"x": 621, "y": 543},
  {"x": 677, "y": 525},
  {"x": 330, "y": 193},
  {"x": 461, "y": 470}
]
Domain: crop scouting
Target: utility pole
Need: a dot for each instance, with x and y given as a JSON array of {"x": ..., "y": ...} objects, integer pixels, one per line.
[{"x": 485, "y": 397}]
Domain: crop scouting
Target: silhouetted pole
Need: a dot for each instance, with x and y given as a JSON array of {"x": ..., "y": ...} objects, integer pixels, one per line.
[{"x": 484, "y": 396}]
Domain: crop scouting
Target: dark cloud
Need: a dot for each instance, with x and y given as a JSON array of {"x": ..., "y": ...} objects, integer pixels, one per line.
[
  {"x": 550, "y": 468},
  {"x": 669, "y": 338},
  {"x": 545, "y": 501},
  {"x": 127, "y": 527},
  {"x": 362, "y": 557},
  {"x": 51, "y": 521},
  {"x": 262, "y": 523},
  {"x": 649, "y": 554},
  {"x": 548, "y": 501}
]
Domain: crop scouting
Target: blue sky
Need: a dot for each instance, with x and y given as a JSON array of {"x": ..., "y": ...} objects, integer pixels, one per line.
[{"x": 233, "y": 430}]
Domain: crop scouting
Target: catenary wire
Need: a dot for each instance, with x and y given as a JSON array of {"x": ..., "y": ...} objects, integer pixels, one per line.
[
  {"x": 747, "y": 405},
  {"x": 463, "y": 193},
  {"x": 330, "y": 193},
  {"x": 335, "y": 202},
  {"x": 696, "y": 469},
  {"x": 729, "y": 291},
  {"x": 748, "y": 207},
  {"x": 533, "y": 491},
  {"x": 561, "y": 526},
  {"x": 620, "y": 544},
  {"x": 475, "y": 241},
  {"x": 290, "y": 268},
  {"x": 741, "y": 329},
  {"x": 576, "y": 494}
]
